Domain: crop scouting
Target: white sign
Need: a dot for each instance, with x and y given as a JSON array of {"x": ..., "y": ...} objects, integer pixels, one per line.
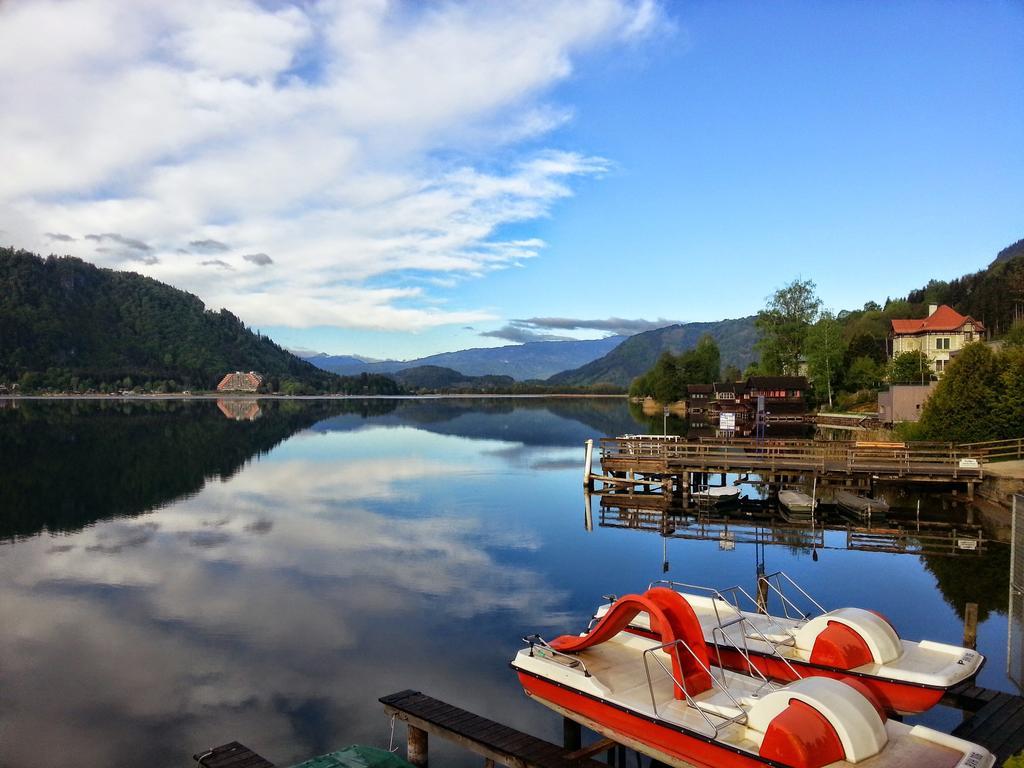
[
  {"x": 967, "y": 544},
  {"x": 727, "y": 421}
]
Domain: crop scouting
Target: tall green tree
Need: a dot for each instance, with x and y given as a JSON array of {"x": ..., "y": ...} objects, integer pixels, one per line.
[
  {"x": 825, "y": 348},
  {"x": 783, "y": 324},
  {"x": 969, "y": 404},
  {"x": 910, "y": 368},
  {"x": 702, "y": 364},
  {"x": 863, "y": 373}
]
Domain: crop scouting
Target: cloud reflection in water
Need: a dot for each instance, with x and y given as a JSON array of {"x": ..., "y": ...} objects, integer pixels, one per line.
[{"x": 273, "y": 607}]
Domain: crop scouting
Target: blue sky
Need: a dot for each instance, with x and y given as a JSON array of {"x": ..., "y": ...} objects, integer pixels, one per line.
[{"x": 415, "y": 178}]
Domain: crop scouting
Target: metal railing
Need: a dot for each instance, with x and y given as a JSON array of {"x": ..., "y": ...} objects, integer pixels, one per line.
[
  {"x": 721, "y": 720},
  {"x": 774, "y": 583},
  {"x": 747, "y": 628},
  {"x": 540, "y": 648}
]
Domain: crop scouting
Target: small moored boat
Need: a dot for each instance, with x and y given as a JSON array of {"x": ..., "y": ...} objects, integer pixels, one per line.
[
  {"x": 717, "y": 496},
  {"x": 795, "y": 506},
  {"x": 663, "y": 697},
  {"x": 861, "y": 507}
]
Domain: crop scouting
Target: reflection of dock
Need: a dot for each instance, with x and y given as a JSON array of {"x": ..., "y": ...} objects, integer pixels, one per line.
[
  {"x": 757, "y": 524},
  {"x": 239, "y": 410}
]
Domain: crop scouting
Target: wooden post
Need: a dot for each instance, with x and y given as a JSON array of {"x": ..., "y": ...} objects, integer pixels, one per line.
[
  {"x": 572, "y": 734},
  {"x": 971, "y": 625},
  {"x": 417, "y": 747},
  {"x": 588, "y": 459}
]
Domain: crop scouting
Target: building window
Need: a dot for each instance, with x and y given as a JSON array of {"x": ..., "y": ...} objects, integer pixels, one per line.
[
  {"x": 942, "y": 343},
  {"x": 968, "y": 337},
  {"x": 940, "y": 365}
]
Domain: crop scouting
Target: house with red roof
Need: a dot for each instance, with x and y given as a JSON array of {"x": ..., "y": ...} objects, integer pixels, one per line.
[
  {"x": 240, "y": 381},
  {"x": 940, "y": 335}
]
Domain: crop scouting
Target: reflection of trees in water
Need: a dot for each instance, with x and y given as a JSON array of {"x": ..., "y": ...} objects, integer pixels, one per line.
[
  {"x": 984, "y": 580},
  {"x": 64, "y": 465}
]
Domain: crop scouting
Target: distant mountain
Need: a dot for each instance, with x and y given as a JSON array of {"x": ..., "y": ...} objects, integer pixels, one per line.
[
  {"x": 533, "y": 360},
  {"x": 1009, "y": 252},
  {"x": 735, "y": 339},
  {"x": 434, "y": 378},
  {"x": 68, "y": 325}
]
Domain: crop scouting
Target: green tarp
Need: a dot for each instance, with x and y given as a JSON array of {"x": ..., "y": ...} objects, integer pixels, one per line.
[{"x": 357, "y": 756}]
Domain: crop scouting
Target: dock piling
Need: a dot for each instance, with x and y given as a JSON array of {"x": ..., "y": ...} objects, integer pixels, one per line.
[
  {"x": 971, "y": 625},
  {"x": 572, "y": 734},
  {"x": 417, "y": 746},
  {"x": 588, "y": 461}
]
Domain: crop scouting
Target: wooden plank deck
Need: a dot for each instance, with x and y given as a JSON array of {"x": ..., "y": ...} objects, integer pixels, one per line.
[
  {"x": 487, "y": 738},
  {"x": 231, "y": 755},
  {"x": 998, "y": 725}
]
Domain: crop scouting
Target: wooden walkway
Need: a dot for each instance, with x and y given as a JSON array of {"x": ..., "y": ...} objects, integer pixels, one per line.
[
  {"x": 996, "y": 719},
  {"x": 934, "y": 462},
  {"x": 231, "y": 755},
  {"x": 487, "y": 738}
]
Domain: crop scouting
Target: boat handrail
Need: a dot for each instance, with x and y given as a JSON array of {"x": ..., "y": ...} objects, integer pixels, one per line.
[
  {"x": 777, "y": 587},
  {"x": 704, "y": 713},
  {"x": 746, "y": 627},
  {"x": 570, "y": 661}
]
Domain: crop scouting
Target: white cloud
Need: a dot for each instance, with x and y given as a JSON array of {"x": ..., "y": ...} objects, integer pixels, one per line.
[{"x": 319, "y": 133}]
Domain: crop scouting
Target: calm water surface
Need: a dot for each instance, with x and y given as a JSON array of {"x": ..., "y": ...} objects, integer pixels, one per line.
[{"x": 173, "y": 575}]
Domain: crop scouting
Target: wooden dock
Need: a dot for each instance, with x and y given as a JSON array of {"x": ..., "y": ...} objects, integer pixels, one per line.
[
  {"x": 995, "y": 719},
  {"x": 653, "y": 460},
  {"x": 231, "y": 755},
  {"x": 493, "y": 741}
]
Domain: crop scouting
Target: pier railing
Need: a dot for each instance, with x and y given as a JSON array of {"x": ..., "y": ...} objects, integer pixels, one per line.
[
  {"x": 996, "y": 450},
  {"x": 642, "y": 453}
]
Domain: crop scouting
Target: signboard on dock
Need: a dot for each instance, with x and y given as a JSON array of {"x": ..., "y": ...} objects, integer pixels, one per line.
[{"x": 727, "y": 421}]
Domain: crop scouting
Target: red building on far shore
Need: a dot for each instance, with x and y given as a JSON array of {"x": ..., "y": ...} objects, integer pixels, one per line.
[{"x": 240, "y": 381}]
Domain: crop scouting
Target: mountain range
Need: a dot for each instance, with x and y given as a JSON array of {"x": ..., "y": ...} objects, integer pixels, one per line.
[
  {"x": 735, "y": 339},
  {"x": 523, "y": 362}
]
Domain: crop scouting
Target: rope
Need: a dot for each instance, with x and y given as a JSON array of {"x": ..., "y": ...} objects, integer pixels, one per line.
[{"x": 390, "y": 741}]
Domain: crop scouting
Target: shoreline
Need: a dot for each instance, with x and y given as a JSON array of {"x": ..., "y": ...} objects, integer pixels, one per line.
[{"x": 263, "y": 396}]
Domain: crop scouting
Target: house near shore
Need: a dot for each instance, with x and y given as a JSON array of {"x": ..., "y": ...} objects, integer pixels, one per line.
[
  {"x": 784, "y": 399},
  {"x": 240, "y": 381},
  {"x": 939, "y": 336}
]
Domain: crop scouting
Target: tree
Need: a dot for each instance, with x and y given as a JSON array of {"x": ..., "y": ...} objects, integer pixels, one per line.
[
  {"x": 965, "y": 405},
  {"x": 731, "y": 373},
  {"x": 665, "y": 383},
  {"x": 1015, "y": 336},
  {"x": 783, "y": 324},
  {"x": 825, "y": 348},
  {"x": 863, "y": 373},
  {"x": 910, "y": 368},
  {"x": 702, "y": 364}
]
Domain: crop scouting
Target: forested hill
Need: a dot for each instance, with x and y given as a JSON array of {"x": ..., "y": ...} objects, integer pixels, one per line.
[
  {"x": 68, "y": 325},
  {"x": 735, "y": 339},
  {"x": 994, "y": 295}
]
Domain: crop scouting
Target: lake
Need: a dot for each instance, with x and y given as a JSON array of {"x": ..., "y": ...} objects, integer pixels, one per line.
[{"x": 179, "y": 574}]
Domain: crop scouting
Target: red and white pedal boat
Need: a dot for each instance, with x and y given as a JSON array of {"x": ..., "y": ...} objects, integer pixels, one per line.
[
  {"x": 662, "y": 697},
  {"x": 907, "y": 677}
]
